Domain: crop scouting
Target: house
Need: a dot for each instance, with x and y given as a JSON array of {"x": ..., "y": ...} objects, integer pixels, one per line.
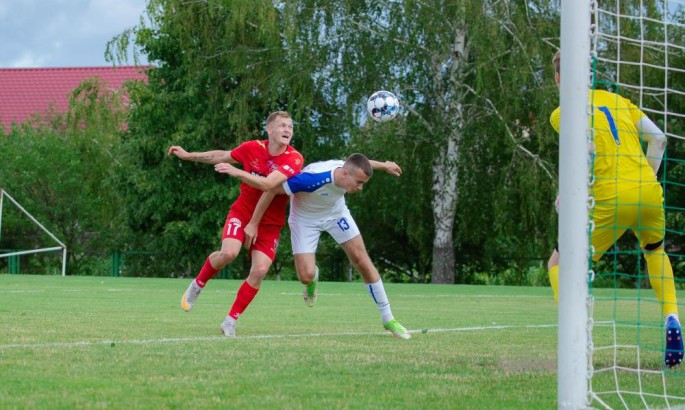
[{"x": 28, "y": 91}]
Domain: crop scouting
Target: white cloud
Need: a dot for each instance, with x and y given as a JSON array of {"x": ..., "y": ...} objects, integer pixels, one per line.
[
  {"x": 26, "y": 60},
  {"x": 62, "y": 33}
]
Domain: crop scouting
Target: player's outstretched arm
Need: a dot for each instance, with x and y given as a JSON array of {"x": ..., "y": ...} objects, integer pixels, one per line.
[
  {"x": 656, "y": 141},
  {"x": 272, "y": 181},
  {"x": 208, "y": 157},
  {"x": 387, "y": 166}
]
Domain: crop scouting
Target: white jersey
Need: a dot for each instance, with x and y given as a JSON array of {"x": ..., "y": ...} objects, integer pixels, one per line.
[{"x": 314, "y": 194}]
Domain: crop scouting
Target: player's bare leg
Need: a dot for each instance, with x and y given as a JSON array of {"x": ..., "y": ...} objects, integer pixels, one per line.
[
  {"x": 356, "y": 253},
  {"x": 308, "y": 273},
  {"x": 215, "y": 262},
  {"x": 247, "y": 291},
  {"x": 260, "y": 266},
  {"x": 230, "y": 248}
]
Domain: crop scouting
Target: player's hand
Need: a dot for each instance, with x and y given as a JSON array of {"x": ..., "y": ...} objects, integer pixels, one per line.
[
  {"x": 226, "y": 168},
  {"x": 178, "y": 151},
  {"x": 392, "y": 168},
  {"x": 250, "y": 235}
]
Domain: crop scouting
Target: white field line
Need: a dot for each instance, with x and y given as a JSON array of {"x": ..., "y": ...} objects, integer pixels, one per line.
[
  {"x": 26, "y": 291},
  {"x": 438, "y": 295},
  {"x": 217, "y": 338}
]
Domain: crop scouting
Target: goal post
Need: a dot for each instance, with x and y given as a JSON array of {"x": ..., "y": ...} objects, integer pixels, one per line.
[
  {"x": 573, "y": 338},
  {"x": 62, "y": 247}
]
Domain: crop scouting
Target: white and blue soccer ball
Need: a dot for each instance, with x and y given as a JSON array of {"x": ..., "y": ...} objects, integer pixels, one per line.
[{"x": 383, "y": 106}]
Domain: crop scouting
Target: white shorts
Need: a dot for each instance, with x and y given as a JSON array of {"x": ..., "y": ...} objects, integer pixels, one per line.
[{"x": 305, "y": 233}]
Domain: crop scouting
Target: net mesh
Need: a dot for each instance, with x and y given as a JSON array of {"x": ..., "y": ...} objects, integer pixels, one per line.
[{"x": 638, "y": 53}]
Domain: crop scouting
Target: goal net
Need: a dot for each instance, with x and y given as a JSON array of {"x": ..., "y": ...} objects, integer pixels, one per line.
[{"x": 637, "y": 51}]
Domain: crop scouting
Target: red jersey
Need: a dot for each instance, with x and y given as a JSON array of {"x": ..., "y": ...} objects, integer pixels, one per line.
[{"x": 255, "y": 158}]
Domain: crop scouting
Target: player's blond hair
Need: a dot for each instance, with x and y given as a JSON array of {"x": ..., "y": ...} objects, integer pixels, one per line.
[
  {"x": 556, "y": 60},
  {"x": 360, "y": 161},
  {"x": 272, "y": 117}
]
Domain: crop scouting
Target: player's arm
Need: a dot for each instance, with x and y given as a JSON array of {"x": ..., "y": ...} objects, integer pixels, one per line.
[
  {"x": 306, "y": 182},
  {"x": 387, "y": 166},
  {"x": 272, "y": 181},
  {"x": 656, "y": 141},
  {"x": 207, "y": 157},
  {"x": 252, "y": 227}
]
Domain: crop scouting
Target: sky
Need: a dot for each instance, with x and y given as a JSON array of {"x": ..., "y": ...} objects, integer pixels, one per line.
[{"x": 62, "y": 33}]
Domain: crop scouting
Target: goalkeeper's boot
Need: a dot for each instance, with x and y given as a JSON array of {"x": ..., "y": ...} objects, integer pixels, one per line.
[
  {"x": 190, "y": 296},
  {"x": 397, "y": 329},
  {"x": 228, "y": 327},
  {"x": 673, "y": 354},
  {"x": 310, "y": 292}
]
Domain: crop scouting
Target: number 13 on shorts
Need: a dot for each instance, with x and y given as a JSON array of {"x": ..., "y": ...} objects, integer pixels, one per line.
[{"x": 343, "y": 225}]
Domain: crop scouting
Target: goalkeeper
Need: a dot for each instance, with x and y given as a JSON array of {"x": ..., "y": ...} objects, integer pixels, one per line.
[{"x": 628, "y": 196}]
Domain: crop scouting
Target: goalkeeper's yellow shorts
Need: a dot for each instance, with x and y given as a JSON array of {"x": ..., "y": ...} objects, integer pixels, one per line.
[{"x": 640, "y": 209}]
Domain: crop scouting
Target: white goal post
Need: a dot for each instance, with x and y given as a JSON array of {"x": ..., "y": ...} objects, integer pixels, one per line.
[
  {"x": 573, "y": 338},
  {"x": 62, "y": 247}
]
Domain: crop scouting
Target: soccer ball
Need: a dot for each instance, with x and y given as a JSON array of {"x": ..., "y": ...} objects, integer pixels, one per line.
[{"x": 383, "y": 106}]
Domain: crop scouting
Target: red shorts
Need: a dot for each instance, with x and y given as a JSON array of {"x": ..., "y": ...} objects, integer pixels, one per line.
[{"x": 267, "y": 235}]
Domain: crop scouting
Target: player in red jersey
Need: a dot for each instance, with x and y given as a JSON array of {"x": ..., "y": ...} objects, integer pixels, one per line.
[{"x": 275, "y": 160}]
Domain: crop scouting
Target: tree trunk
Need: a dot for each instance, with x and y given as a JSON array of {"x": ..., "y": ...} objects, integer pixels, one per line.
[
  {"x": 443, "y": 262},
  {"x": 445, "y": 196},
  {"x": 445, "y": 171}
]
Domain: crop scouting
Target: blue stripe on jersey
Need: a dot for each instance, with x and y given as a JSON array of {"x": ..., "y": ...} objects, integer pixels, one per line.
[
  {"x": 308, "y": 182},
  {"x": 612, "y": 125}
]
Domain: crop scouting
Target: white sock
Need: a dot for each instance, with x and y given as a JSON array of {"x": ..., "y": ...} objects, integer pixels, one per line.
[{"x": 377, "y": 292}]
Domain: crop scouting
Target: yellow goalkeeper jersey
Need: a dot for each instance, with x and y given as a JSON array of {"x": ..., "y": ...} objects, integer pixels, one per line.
[{"x": 620, "y": 163}]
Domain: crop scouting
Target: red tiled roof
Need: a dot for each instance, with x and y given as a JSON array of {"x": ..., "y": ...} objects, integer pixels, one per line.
[{"x": 26, "y": 91}]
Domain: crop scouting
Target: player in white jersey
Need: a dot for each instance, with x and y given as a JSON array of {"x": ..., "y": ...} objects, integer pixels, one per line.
[{"x": 317, "y": 204}]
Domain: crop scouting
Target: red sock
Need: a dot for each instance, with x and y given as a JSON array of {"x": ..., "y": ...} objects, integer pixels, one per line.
[
  {"x": 245, "y": 295},
  {"x": 206, "y": 273}
]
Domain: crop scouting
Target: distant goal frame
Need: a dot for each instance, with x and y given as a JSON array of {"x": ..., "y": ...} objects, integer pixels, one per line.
[{"x": 62, "y": 247}]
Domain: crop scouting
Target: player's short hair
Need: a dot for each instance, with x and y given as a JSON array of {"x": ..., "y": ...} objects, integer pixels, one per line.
[
  {"x": 272, "y": 117},
  {"x": 556, "y": 60},
  {"x": 359, "y": 161}
]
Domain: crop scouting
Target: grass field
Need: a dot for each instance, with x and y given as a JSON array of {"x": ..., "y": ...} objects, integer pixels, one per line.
[{"x": 100, "y": 342}]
